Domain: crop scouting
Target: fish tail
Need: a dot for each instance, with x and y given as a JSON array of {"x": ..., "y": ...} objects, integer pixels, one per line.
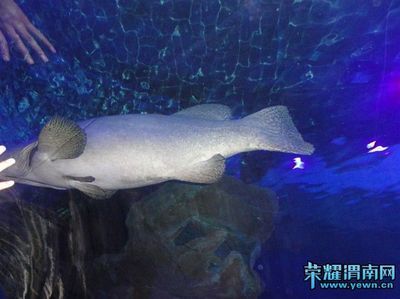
[{"x": 275, "y": 131}]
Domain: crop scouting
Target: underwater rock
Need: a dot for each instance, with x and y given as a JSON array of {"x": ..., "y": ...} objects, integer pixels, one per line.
[
  {"x": 175, "y": 241},
  {"x": 191, "y": 241}
]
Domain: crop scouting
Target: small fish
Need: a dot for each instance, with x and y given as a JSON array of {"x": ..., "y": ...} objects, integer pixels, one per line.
[
  {"x": 378, "y": 149},
  {"x": 373, "y": 149},
  {"x": 102, "y": 155},
  {"x": 371, "y": 144},
  {"x": 298, "y": 163}
]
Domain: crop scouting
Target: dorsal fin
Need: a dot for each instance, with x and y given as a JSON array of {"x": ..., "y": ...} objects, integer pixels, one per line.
[
  {"x": 62, "y": 138},
  {"x": 207, "y": 111}
]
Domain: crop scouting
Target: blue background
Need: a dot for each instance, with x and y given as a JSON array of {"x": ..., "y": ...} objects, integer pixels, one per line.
[{"x": 334, "y": 63}]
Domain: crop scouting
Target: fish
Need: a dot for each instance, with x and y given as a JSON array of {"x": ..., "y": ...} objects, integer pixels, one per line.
[{"x": 102, "y": 155}]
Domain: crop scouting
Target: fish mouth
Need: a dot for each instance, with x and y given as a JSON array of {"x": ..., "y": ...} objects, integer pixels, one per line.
[
  {"x": 31, "y": 182},
  {"x": 18, "y": 179},
  {"x": 6, "y": 177}
]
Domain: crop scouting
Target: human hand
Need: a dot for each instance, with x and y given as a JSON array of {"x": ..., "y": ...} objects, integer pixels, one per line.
[
  {"x": 4, "y": 165},
  {"x": 19, "y": 30}
]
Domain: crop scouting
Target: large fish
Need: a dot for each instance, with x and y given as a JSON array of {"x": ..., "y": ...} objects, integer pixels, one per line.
[{"x": 102, "y": 155}]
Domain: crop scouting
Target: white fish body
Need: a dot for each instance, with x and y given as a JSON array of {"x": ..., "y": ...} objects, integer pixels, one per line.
[{"x": 128, "y": 151}]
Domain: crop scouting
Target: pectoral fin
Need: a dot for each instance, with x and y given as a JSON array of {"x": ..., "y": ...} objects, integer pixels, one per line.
[
  {"x": 205, "y": 172},
  {"x": 92, "y": 190},
  {"x": 83, "y": 179},
  {"x": 61, "y": 138}
]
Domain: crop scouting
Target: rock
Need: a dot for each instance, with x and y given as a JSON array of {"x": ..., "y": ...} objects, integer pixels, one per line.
[
  {"x": 177, "y": 240},
  {"x": 29, "y": 256},
  {"x": 192, "y": 241}
]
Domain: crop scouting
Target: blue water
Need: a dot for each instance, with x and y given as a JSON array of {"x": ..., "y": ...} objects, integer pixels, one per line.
[{"x": 334, "y": 63}]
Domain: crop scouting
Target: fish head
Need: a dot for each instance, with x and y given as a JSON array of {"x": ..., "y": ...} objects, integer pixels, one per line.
[
  {"x": 22, "y": 170},
  {"x": 60, "y": 139}
]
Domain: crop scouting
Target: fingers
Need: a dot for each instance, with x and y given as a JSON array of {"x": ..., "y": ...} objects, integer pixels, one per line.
[
  {"x": 19, "y": 44},
  {"x": 5, "y": 185},
  {"x": 4, "y": 165},
  {"x": 32, "y": 42},
  {"x": 2, "y": 149},
  {"x": 7, "y": 163},
  {"x": 40, "y": 36},
  {"x": 5, "y": 54},
  {"x": 23, "y": 33}
]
